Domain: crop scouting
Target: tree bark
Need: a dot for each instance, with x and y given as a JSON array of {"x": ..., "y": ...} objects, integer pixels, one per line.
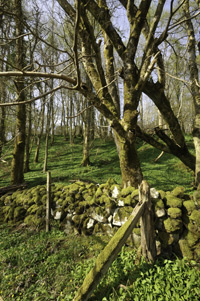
[
  {"x": 17, "y": 166},
  {"x": 129, "y": 161},
  {"x": 28, "y": 139},
  {"x": 195, "y": 89},
  {"x": 41, "y": 129}
]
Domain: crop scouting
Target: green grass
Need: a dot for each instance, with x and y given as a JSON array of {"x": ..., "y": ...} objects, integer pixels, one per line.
[
  {"x": 64, "y": 162},
  {"x": 51, "y": 266}
]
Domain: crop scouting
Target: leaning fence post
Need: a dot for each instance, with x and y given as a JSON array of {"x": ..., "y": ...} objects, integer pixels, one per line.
[
  {"x": 48, "y": 202},
  {"x": 148, "y": 245}
]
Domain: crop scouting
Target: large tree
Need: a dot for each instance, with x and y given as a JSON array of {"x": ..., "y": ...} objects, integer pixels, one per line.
[{"x": 17, "y": 172}]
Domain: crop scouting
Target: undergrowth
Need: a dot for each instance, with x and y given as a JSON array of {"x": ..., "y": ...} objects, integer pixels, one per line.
[{"x": 51, "y": 266}]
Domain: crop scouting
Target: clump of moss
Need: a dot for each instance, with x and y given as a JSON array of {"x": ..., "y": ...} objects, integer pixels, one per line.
[
  {"x": 172, "y": 225},
  {"x": 162, "y": 194},
  {"x": 73, "y": 189},
  {"x": 192, "y": 239},
  {"x": 126, "y": 191},
  {"x": 33, "y": 220},
  {"x": 174, "y": 212},
  {"x": 197, "y": 252},
  {"x": 185, "y": 249},
  {"x": 189, "y": 206},
  {"x": 98, "y": 192},
  {"x": 195, "y": 217},
  {"x": 178, "y": 192},
  {"x": 173, "y": 201},
  {"x": 158, "y": 204}
]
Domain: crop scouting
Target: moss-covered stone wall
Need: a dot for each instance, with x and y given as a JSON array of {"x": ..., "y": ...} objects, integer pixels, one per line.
[{"x": 89, "y": 208}]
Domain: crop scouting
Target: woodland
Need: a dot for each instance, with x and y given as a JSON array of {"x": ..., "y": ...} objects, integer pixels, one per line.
[
  {"x": 92, "y": 90},
  {"x": 118, "y": 68}
]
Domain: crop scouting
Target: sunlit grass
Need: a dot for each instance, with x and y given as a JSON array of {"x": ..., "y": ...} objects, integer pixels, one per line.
[{"x": 64, "y": 162}]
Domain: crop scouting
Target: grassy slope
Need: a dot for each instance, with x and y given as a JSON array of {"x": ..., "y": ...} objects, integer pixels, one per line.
[{"x": 65, "y": 165}]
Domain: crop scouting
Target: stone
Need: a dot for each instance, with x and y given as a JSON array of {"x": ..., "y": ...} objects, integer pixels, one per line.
[
  {"x": 90, "y": 223},
  {"x": 98, "y": 218},
  {"x": 185, "y": 249},
  {"x": 160, "y": 212},
  {"x": 58, "y": 215},
  {"x": 154, "y": 193},
  {"x": 172, "y": 225},
  {"x": 115, "y": 192},
  {"x": 121, "y": 215},
  {"x": 120, "y": 203},
  {"x": 68, "y": 228},
  {"x": 189, "y": 206},
  {"x": 174, "y": 212},
  {"x": 173, "y": 201}
]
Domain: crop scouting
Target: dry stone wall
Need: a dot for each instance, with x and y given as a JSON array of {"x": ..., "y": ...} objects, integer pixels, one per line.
[{"x": 90, "y": 209}]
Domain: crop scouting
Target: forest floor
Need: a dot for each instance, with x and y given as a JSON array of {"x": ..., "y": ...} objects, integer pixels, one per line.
[
  {"x": 36, "y": 265},
  {"x": 64, "y": 162}
]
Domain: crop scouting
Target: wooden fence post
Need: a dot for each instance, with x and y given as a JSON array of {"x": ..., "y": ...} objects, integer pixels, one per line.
[
  {"x": 148, "y": 245},
  {"x": 48, "y": 202}
]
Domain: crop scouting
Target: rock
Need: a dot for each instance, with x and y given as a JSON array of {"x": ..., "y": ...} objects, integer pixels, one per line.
[
  {"x": 154, "y": 193},
  {"x": 190, "y": 206},
  {"x": 173, "y": 201},
  {"x": 121, "y": 215},
  {"x": 160, "y": 212},
  {"x": 58, "y": 215},
  {"x": 120, "y": 203},
  {"x": 172, "y": 225},
  {"x": 185, "y": 249},
  {"x": 98, "y": 218},
  {"x": 115, "y": 192},
  {"x": 68, "y": 228},
  {"x": 192, "y": 238},
  {"x": 90, "y": 223},
  {"x": 178, "y": 192},
  {"x": 174, "y": 212},
  {"x": 126, "y": 191}
]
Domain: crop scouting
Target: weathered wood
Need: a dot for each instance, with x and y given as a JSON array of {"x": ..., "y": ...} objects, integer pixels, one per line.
[
  {"x": 108, "y": 255},
  {"x": 148, "y": 245},
  {"x": 48, "y": 202},
  {"x": 11, "y": 188}
]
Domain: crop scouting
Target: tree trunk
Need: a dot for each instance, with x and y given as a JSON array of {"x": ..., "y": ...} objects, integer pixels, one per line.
[
  {"x": 17, "y": 166},
  {"x": 129, "y": 162},
  {"x": 2, "y": 128},
  {"x": 47, "y": 137},
  {"x": 28, "y": 139},
  {"x": 87, "y": 137},
  {"x": 36, "y": 158},
  {"x": 195, "y": 88}
]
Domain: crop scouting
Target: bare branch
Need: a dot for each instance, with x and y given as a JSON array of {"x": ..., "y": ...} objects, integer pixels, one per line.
[
  {"x": 38, "y": 74},
  {"x": 75, "y": 46},
  {"x": 80, "y": 113},
  {"x": 8, "y": 104}
]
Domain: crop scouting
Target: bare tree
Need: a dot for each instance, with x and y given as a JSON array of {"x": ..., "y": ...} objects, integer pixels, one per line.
[{"x": 97, "y": 51}]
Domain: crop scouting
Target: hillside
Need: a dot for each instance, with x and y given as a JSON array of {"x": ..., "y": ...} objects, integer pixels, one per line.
[{"x": 65, "y": 165}]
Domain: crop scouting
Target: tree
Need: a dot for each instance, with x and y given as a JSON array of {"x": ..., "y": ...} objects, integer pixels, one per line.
[
  {"x": 17, "y": 171},
  {"x": 195, "y": 86},
  {"x": 139, "y": 74}
]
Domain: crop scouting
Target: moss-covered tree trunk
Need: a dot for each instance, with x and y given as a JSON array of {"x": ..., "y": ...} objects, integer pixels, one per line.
[
  {"x": 195, "y": 88},
  {"x": 28, "y": 140},
  {"x": 129, "y": 162},
  {"x": 17, "y": 167},
  {"x": 37, "y": 151}
]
